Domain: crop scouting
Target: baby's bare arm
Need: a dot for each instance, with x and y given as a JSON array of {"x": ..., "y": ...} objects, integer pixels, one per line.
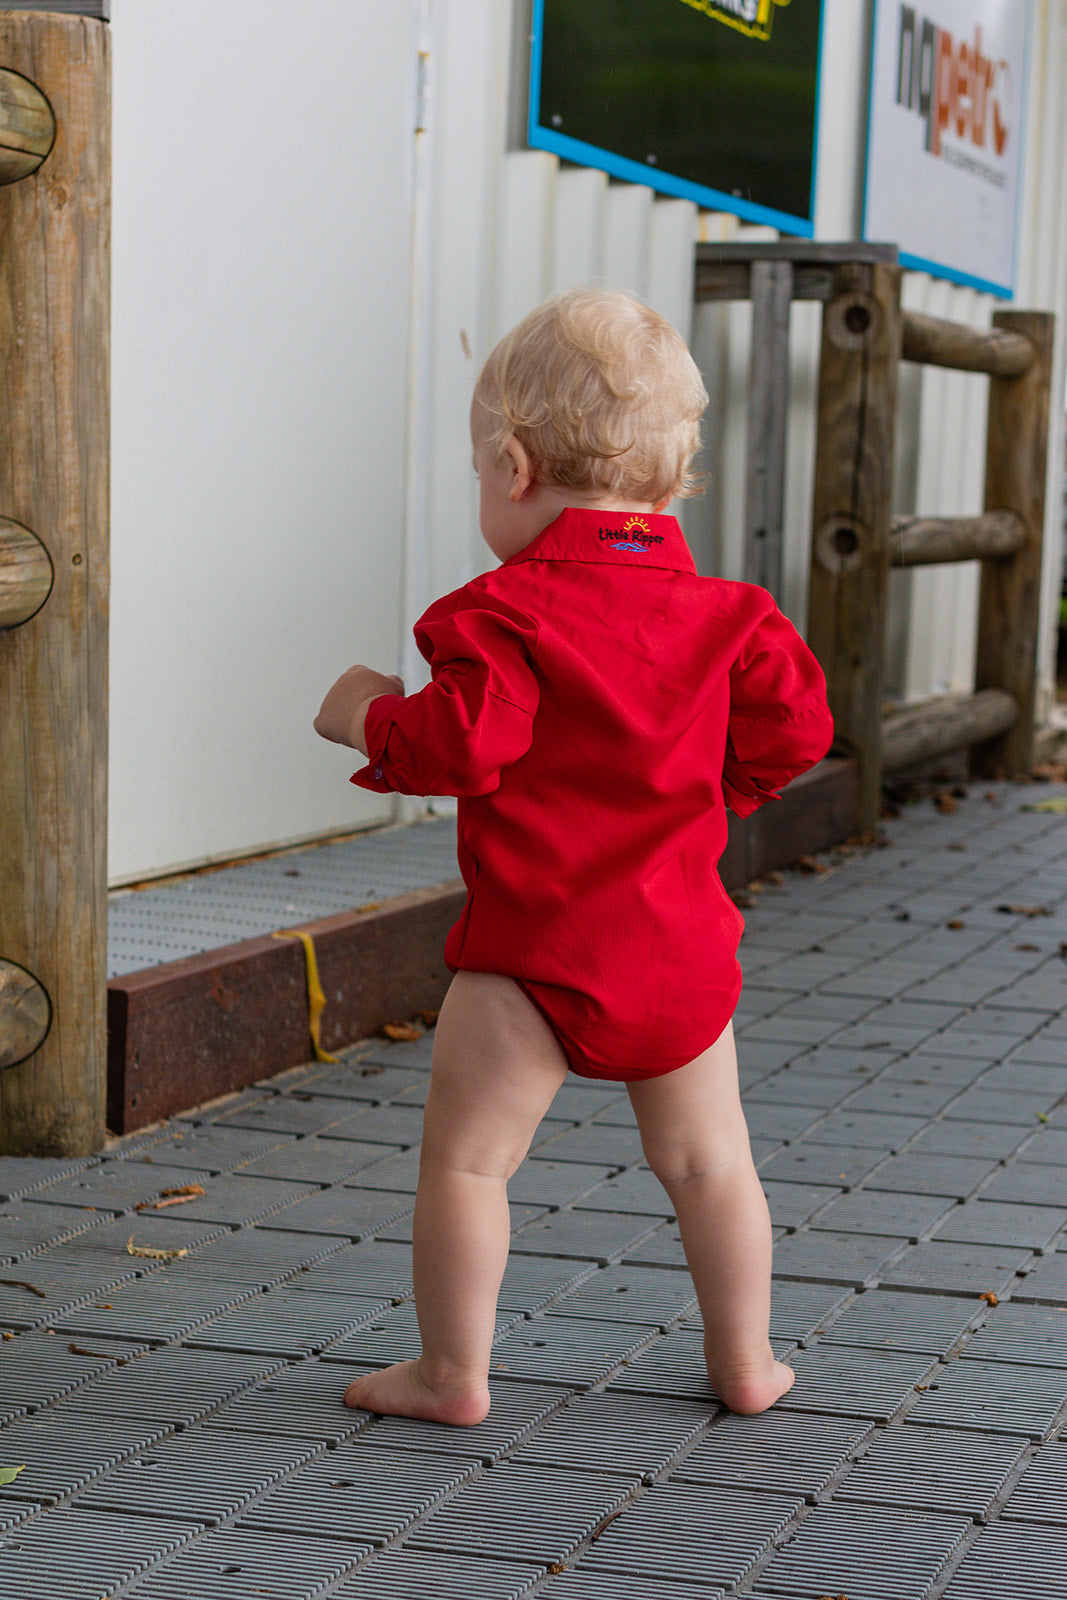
[{"x": 343, "y": 713}]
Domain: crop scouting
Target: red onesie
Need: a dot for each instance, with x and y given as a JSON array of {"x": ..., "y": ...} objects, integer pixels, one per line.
[{"x": 596, "y": 706}]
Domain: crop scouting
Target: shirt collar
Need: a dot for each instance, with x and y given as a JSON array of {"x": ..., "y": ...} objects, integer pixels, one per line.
[{"x": 614, "y": 537}]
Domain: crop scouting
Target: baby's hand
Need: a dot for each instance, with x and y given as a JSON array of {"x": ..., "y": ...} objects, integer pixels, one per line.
[{"x": 344, "y": 710}]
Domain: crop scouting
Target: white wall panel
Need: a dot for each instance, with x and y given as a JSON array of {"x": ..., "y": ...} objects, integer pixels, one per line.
[{"x": 260, "y": 304}]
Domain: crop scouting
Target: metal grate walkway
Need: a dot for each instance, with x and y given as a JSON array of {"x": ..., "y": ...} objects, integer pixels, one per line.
[{"x": 176, "y": 1410}]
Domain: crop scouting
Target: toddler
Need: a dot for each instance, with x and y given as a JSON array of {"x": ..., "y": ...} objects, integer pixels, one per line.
[{"x": 595, "y": 705}]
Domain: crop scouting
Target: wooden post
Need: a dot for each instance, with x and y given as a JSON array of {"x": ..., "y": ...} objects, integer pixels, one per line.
[
  {"x": 768, "y": 409},
  {"x": 851, "y": 516},
  {"x": 1008, "y": 604},
  {"x": 54, "y": 327}
]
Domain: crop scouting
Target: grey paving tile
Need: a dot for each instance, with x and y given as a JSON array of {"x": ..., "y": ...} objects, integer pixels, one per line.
[
  {"x": 1007, "y": 1105},
  {"x": 153, "y": 1310},
  {"x": 579, "y": 1583},
  {"x": 360, "y": 1494},
  {"x": 117, "y": 1185},
  {"x": 908, "y": 1095},
  {"x": 663, "y": 1248},
  {"x": 871, "y": 1383},
  {"x": 516, "y": 1409},
  {"x": 533, "y": 1282},
  {"x": 616, "y": 1433},
  {"x": 792, "y": 1204},
  {"x": 174, "y": 1385},
  {"x": 556, "y": 1183},
  {"x": 781, "y": 1121},
  {"x": 228, "y": 1565},
  {"x": 392, "y": 1336},
  {"x": 397, "y": 1171},
  {"x": 598, "y": 1142},
  {"x": 1001, "y": 1222},
  {"x": 587, "y": 1235},
  {"x": 636, "y": 1191},
  {"x": 1028, "y": 1333},
  {"x": 80, "y": 1553},
  {"x": 672, "y": 1365},
  {"x": 315, "y": 1160},
  {"x": 630, "y": 1294},
  {"x": 885, "y": 1319},
  {"x": 995, "y": 1396},
  {"x": 801, "y": 1309},
  {"x": 413, "y": 1574},
  {"x": 348, "y": 1212},
  {"x": 868, "y": 1553},
  {"x": 1047, "y": 1145},
  {"x": 26, "y": 1226},
  {"x": 1045, "y": 1279},
  {"x": 940, "y": 1264},
  {"x": 23, "y": 1174},
  {"x": 801, "y": 1084},
  {"x": 883, "y": 1211},
  {"x": 680, "y": 1530},
  {"x": 378, "y": 1077},
  {"x": 196, "y": 1476},
  {"x": 927, "y": 1172},
  {"x": 529, "y": 1512},
  {"x": 1003, "y": 1560},
  {"x": 286, "y": 1322},
  {"x": 952, "y": 1137},
  {"x": 847, "y": 1258},
  {"x": 207, "y": 1148},
  {"x": 61, "y": 1452},
  {"x": 807, "y": 1162},
  {"x": 932, "y": 1469},
  {"x": 1025, "y": 1183},
  {"x": 46, "y": 1290},
  {"x": 1039, "y": 1495},
  {"x": 865, "y": 1129},
  {"x": 392, "y": 1124},
  {"x": 37, "y": 1369},
  {"x": 779, "y": 1450},
  {"x": 576, "y": 1351},
  {"x": 302, "y": 1401},
  {"x": 371, "y": 1267}
]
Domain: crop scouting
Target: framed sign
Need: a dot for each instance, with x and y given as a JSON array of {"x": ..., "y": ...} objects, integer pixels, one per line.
[
  {"x": 945, "y": 134},
  {"x": 712, "y": 100}
]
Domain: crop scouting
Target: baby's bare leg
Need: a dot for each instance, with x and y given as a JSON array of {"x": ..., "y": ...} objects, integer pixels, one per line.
[
  {"x": 695, "y": 1140},
  {"x": 496, "y": 1067}
]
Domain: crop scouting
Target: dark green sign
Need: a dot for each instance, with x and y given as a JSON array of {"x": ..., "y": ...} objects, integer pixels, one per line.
[{"x": 713, "y": 100}]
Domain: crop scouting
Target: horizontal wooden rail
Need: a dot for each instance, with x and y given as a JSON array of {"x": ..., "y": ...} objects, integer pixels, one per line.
[
  {"x": 26, "y": 574},
  {"x": 913, "y": 734},
  {"x": 931, "y": 541},
  {"x": 724, "y": 271},
  {"x": 997, "y": 351}
]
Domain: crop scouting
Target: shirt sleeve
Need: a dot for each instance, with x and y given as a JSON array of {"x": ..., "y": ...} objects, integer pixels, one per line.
[
  {"x": 472, "y": 720},
  {"x": 780, "y": 723}
]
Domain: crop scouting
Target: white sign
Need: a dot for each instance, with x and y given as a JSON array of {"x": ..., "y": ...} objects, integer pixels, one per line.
[{"x": 944, "y": 144}]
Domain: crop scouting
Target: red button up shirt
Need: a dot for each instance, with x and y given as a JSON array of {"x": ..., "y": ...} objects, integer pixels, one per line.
[{"x": 596, "y": 705}]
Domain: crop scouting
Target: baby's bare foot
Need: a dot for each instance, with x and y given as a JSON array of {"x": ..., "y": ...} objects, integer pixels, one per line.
[
  {"x": 750, "y": 1389},
  {"x": 402, "y": 1391}
]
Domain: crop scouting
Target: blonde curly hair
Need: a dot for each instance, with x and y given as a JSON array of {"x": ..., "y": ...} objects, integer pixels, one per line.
[{"x": 601, "y": 392}]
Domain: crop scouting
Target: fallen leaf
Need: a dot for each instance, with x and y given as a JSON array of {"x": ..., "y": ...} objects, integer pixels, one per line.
[
  {"x": 9, "y": 1474},
  {"x": 401, "y": 1031},
  {"x": 429, "y": 1017},
  {"x": 989, "y": 1297},
  {"x": 945, "y": 803},
  {"x": 1025, "y": 911},
  {"x": 955, "y": 924},
  {"x": 179, "y": 1196},
  {"x": 150, "y": 1254}
]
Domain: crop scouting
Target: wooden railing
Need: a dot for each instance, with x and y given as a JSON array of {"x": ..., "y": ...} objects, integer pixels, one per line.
[
  {"x": 856, "y": 538},
  {"x": 54, "y": 323}
]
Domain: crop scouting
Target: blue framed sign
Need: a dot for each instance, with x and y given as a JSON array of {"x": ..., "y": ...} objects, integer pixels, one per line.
[
  {"x": 945, "y": 134},
  {"x": 715, "y": 101}
]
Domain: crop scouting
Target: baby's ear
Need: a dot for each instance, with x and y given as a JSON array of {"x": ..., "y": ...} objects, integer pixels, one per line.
[{"x": 523, "y": 469}]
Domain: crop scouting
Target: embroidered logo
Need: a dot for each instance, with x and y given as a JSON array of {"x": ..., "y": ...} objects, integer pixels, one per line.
[{"x": 641, "y": 537}]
